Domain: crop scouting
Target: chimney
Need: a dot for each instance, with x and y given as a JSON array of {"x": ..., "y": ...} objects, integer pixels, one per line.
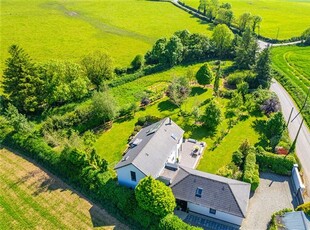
[{"x": 169, "y": 121}]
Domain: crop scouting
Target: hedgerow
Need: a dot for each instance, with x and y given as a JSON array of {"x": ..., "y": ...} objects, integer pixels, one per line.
[
  {"x": 251, "y": 173},
  {"x": 279, "y": 164},
  {"x": 305, "y": 208}
]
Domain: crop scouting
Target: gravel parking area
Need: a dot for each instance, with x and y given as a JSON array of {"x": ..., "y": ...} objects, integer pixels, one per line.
[{"x": 273, "y": 194}]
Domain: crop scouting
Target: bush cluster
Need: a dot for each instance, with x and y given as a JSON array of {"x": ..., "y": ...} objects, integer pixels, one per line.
[
  {"x": 305, "y": 208},
  {"x": 251, "y": 173},
  {"x": 275, "y": 163},
  {"x": 172, "y": 222}
]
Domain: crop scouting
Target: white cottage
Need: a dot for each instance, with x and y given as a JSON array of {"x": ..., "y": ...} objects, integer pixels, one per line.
[{"x": 156, "y": 151}]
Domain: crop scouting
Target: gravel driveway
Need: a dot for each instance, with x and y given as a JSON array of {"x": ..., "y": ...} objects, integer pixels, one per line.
[{"x": 273, "y": 194}]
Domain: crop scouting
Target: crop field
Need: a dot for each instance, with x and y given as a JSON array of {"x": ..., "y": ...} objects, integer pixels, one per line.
[
  {"x": 282, "y": 19},
  {"x": 32, "y": 199},
  {"x": 67, "y": 30},
  {"x": 293, "y": 65}
]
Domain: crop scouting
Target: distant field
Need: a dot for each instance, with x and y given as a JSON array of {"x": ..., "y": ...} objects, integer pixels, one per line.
[
  {"x": 70, "y": 29},
  {"x": 293, "y": 64},
  {"x": 290, "y": 17},
  {"x": 31, "y": 199}
]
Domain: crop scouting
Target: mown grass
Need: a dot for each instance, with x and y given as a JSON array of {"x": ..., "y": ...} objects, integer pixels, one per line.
[
  {"x": 67, "y": 30},
  {"x": 282, "y": 19},
  {"x": 112, "y": 143},
  {"x": 31, "y": 199},
  {"x": 293, "y": 66}
]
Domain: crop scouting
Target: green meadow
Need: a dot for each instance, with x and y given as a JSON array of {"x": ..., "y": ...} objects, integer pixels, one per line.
[
  {"x": 67, "y": 30},
  {"x": 293, "y": 66},
  {"x": 282, "y": 19}
]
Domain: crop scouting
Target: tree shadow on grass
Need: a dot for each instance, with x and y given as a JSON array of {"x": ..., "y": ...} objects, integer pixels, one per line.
[
  {"x": 166, "y": 106},
  {"x": 196, "y": 90},
  {"x": 199, "y": 132},
  {"x": 260, "y": 127}
]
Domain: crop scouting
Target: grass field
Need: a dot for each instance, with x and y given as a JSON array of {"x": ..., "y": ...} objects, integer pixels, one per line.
[
  {"x": 70, "y": 29},
  {"x": 282, "y": 19},
  {"x": 293, "y": 64},
  {"x": 32, "y": 199}
]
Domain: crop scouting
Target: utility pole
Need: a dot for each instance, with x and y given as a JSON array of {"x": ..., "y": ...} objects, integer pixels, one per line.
[
  {"x": 289, "y": 118},
  {"x": 303, "y": 106},
  {"x": 292, "y": 148}
]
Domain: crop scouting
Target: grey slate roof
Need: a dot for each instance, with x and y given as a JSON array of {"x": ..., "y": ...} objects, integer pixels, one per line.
[
  {"x": 219, "y": 193},
  {"x": 295, "y": 220},
  {"x": 151, "y": 154}
]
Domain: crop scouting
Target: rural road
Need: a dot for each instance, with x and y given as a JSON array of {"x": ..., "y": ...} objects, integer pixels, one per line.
[{"x": 303, "y": 141}]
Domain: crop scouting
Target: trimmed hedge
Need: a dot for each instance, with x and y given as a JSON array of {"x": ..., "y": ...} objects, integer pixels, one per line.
[
  {"x": 251, "y": 173},
  {"x": 172, "y": 222},
  {"x": 305, "y": 208},
  {"x": 100, "y": 186},
  {"x": 278, "y": 164}
]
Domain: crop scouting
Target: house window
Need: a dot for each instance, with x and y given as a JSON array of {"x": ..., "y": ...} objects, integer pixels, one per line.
[
  {"x": 198, "y": 192},
  {"x": 212, "y": 211},
  {"x": 133, "y": 176}
]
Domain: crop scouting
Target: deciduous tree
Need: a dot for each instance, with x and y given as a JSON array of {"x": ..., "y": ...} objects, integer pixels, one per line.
[
  {"x": 178, "y": 90},
  {"x": 104, "y": 106},
  {"x": 222, "y": 37},
  {"x": 98, "y": 67}
]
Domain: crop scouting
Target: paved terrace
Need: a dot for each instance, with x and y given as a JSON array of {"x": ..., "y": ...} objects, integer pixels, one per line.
[{"x": 188, "y": 156}]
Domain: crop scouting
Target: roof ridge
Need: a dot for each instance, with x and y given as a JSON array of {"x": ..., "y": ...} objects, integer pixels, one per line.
[
  {"x": 162, "y": 122},
  {"x": 182, "y": 178},
  {"x": 212, "y": 175},
  {"x": 243, "y": 214}
]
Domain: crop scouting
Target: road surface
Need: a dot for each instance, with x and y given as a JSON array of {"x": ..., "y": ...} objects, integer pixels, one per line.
[{"x": 303, "y": 141}]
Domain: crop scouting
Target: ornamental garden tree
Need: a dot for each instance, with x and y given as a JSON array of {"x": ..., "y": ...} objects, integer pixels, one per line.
[{"x": 154, "y": 196}]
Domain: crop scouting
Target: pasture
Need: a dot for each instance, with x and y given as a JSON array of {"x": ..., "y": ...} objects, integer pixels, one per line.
[
  {"x": 293, "y": 65},
  {"x": 67, "y": 30},
  {"x": 112, "y": 143},
  {"x": 282, "y": 19},
  {"x": 30, "y": 198}
]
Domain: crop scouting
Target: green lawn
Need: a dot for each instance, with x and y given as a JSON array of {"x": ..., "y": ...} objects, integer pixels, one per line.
[
  {"x": 112, "y": 143},
  {"x": 70, "y": 29},
  {"x": 293, "y": 64},
  {"x": 290, "y": 17}
]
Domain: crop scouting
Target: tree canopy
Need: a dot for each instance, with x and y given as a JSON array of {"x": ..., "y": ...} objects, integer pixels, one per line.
[
  {"x": 212, "y": 116},
  {"x": 98, "y": 67},
  {"x": 154, "y": 196},
  {"x": 222, "y": 37},
  {"x": 178, "y": 90},
  {"x": 204, "y": 75}
]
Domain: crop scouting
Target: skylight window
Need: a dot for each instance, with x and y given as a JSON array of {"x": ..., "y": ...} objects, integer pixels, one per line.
[{"x": 198, "y": 192}]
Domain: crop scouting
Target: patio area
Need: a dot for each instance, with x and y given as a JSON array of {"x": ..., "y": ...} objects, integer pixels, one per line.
[{"x": 191, "y": 151}]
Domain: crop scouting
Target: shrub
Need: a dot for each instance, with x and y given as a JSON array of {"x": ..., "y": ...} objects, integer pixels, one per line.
[
  {"x": 231, "y": 171},
  {"x": 172, "y": 222},
  {"x": 273, "y": 225},
  {"x": 154, "y": 196},
  {"x": 275, "y": 163},
  {"x": 237, "y": 158},
  {"x": 305, "y": 208},
  {"x": 251, "y": 173}
]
